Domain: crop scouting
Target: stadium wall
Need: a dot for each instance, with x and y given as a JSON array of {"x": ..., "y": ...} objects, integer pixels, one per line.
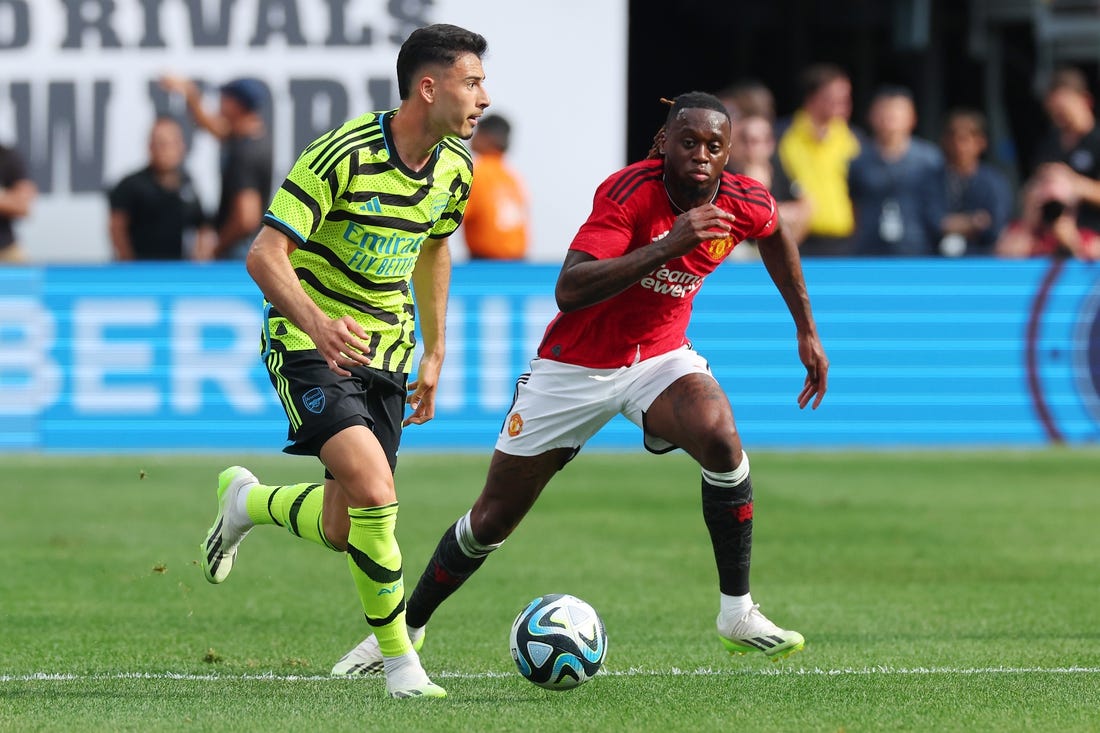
[
  {"x": 147, "y": 357},
  {"x": 79, "y": 93}
]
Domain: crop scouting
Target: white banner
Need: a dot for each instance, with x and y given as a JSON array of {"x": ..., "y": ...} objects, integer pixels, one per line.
[{"x": 79, "y": 92}]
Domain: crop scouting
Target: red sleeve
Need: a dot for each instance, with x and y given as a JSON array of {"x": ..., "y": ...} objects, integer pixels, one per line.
[
  {"x": 769, "y": 219},
  {"x": 752, "y": 204},
  {"x": 607, "y": 232}
]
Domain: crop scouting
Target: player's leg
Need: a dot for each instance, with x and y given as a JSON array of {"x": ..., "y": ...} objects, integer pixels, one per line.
[
  {"x": 243, "y": 503},
  {"x": 556, "y": 409},
  {"x": 694, "y": 413},
  {"x": 511, "y": 488},
  {"x": 362, "y": 472}
]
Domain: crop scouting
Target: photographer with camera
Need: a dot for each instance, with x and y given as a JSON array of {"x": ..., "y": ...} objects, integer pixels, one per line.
[{"x": 1048, "y": 225}]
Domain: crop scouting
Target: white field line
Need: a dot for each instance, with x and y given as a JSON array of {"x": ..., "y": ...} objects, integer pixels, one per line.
[{"x": 632, "y": 672}]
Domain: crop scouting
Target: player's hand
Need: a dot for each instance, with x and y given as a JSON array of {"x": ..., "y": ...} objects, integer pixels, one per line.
[
  {"x": 422, "y": 391},
  {"x": 817, "y": 370},
  {"x": 342, "y": 343},
  {"x": 700, "y": 224}
]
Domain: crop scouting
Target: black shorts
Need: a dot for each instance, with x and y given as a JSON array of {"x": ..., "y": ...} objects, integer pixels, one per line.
[{"x": 320, "y": 403}]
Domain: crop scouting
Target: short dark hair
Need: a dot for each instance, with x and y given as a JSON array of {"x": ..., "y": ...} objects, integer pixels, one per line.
[
  {"x": 434, "y": 44},
  {"x": 892, "y": 91},
  {"x": 496, "y": 129},
  {"x": 1070, "y": 78},
  {"x": 968, "y": 115},
  {"x": 817, "y": 76},
  {"x": 689, "y": 100},
  {"x": 696, "y": 100}
]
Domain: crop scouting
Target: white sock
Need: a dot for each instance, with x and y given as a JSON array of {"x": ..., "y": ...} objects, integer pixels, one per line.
[
  {"x": 406, "y": 668},
  {"x": 735, "y": 606}
]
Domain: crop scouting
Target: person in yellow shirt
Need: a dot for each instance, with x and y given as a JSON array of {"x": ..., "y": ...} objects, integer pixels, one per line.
[
  {"x": 815, "y": 151},
  {"x": 497, "y": 215}
]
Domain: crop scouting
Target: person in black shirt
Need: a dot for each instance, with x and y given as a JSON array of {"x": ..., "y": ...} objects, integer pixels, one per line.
[
  {"x": 246, "y": 159},
  {"x": 155, "y": 213},
  {"x": 1073, "y": 142}
]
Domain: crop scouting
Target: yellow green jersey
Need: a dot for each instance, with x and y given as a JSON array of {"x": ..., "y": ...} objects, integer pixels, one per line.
[{"x": 359, "y": 217}]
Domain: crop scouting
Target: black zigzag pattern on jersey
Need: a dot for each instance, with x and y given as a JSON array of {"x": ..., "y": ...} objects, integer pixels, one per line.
[
  {"x": 459, "y": 149},
  {"x": 377, "y": 314},
  {"x": 406, "y": 226},
  {"x": 331, "y": 258},
  {"x": 390, "y": 199},
  {"x": 409, "y": 338},
  {"x": 625, "y": 187},
  {"x": 459, "y": 190},
  {"x": 360, "y": 137},
  {"x": 306, "y": 200},
  {"x": 321, "y": 140},
  {"x": 333, "y": 182},
  {"x": 333, "y": 140},
  {"x": 372, "y": 347},
  {"x": 359, "y": 168}
]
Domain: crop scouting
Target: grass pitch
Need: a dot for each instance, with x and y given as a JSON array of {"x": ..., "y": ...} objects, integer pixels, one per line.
[{"x": 936, "y": 591}]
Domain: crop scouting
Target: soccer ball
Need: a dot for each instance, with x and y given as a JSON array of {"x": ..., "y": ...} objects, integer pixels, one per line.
[{"x": 558, "y": 641}]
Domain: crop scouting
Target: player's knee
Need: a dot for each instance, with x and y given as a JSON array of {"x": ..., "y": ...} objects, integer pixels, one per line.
[
  {"x": 719, "y": 449},
  {"x": 491, "y": 523}
]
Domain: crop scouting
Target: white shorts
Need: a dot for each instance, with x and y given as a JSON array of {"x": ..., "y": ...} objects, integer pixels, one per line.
[{"x": 560, "y": 405}]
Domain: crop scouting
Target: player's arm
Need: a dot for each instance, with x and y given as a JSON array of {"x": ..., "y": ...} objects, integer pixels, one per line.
[
  {"x": 431, "y": 284},
  {"x": 341, "y": 341},
  {"x": 780, "y": 255},
  {"x": 215, "y": 124},
  {"x": 245, "y": 212},
  {"x": 118, "y": 225},
  {"x": 585, "y": 280}
]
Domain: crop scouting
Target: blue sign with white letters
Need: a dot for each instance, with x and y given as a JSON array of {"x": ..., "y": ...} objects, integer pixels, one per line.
[{"x": 165, "y": 357}]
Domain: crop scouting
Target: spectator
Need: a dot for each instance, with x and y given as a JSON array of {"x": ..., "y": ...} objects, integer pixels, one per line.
[
  {"x": 497, "y": 215},
  {"x": 1073, "y": 140},
  {"x": 744, "y": 99},
  {"x": 1048, "y": 224},
  {"x": 155, "y": 212},
  {"x": 246, "y": 160},
  {"x": 17, "y": 194},
  {"x": 750, "y": 98},
  {"x": 815, "y": 151},
  {"x": 891, "y": 182},
  {"x": 759, "y": 161},
  {"x": 975, "y": 196}
]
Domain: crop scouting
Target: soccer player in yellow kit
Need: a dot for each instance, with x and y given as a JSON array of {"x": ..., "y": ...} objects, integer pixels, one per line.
[{"x": 365, "y": 211}]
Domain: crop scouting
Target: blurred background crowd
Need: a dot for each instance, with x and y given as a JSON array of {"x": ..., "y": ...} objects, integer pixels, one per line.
[{"x": 898, "y": 129}]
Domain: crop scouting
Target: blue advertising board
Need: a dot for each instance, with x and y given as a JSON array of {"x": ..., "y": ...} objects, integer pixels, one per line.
[{"x": 165, "y": 357}]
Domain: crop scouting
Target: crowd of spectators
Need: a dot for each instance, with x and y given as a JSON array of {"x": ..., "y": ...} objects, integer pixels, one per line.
[
  {"x": 851, "y": 190},
  {"x": 844, "y": 189}
]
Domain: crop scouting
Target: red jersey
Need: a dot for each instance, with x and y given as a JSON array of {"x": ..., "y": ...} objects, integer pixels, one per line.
[{"x": 631, "y": 209}]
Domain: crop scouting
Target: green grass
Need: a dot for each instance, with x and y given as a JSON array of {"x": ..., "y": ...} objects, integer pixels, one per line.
[{"x": 937, "y": 591}]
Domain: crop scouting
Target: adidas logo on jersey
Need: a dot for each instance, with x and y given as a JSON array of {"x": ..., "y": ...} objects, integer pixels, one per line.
[{"x": 374, "y": 206}]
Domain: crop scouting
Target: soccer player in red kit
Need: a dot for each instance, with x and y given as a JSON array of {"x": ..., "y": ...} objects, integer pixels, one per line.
[{"x": 619, "y": 346}]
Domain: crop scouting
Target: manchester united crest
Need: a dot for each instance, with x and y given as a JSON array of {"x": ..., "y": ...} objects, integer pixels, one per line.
[
  {"x": 515, "y": 424},
  {"x": 719, "y": 248}
]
